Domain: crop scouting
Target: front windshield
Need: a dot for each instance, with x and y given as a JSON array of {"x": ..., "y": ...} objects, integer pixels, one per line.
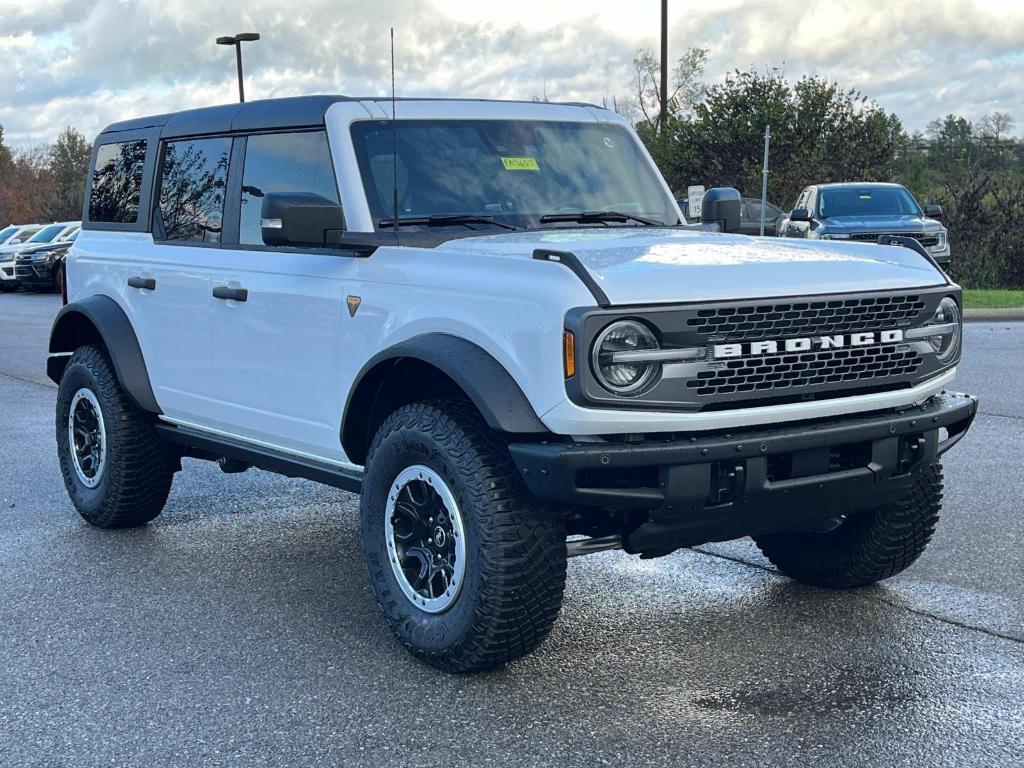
[
  {"x": 866, "y": 201},
  {"x": 512, "y": 172},
  {"x": 46, "y": 234},
  {"x": 6, "y": 233},
  {"x": 24, "y": 236}
]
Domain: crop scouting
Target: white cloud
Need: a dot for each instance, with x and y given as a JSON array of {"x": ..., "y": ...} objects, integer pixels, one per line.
[{"x": 90, "y": 62}]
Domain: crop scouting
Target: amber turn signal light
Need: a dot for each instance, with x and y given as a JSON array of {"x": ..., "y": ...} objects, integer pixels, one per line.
[{"x": 569, "y": 353}]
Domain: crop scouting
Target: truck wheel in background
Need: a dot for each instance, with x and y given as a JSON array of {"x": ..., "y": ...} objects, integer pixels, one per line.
[
  {"x": 117, "y": 470},
  {"x": 467, "y": 568},
  {"x": 867, "y": 546}
]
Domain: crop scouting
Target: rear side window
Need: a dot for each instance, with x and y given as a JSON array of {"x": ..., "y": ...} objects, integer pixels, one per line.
[
  {"x": 117, "y": 182},
  {"x": 283, "y": 162},
  {"x": 192, "y": 186}
]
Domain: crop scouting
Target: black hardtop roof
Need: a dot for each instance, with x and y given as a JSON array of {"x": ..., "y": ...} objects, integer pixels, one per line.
[
  {"x": 279, "y": 113},
  {"x": 291, "y": 112}
]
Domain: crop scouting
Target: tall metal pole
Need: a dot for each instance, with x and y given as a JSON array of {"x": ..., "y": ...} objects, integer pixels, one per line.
[
  {"x": 237, "y": 40},
  {"x": 238, "y": 56},
  {"x": 764, "y": 176},
  {"x": 664, "y": 64}
]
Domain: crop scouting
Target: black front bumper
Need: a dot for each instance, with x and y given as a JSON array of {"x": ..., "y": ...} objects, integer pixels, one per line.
[
  {"x": 723, "y": 486},
  {"x": 29, "y": 272}
]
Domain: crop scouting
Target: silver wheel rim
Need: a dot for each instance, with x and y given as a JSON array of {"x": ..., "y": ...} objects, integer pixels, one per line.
[
  {"x": 426, "y": 539},
  {"x": 87, "y": 437}
]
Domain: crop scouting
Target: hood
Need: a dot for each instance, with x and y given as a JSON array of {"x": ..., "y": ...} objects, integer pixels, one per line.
[
  {"x": 43, "y": 247},
  {"x": 641, "y": 265},
  {"x": 17, "y": 247},
  {"x": 880, "y": 224}
]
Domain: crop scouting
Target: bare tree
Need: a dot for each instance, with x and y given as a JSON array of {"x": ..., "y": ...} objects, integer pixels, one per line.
[
  {"x": 644, "y": 102},
  {"x": 996, "y": 126}
]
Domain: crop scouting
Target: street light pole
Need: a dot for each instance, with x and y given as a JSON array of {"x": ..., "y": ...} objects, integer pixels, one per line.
[
  {"x": 237, "y": 40},
  {"x": 664, "y": 64}
]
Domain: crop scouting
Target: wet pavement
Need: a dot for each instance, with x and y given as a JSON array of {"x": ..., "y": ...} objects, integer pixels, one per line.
[{"x": 238, "y": 628}]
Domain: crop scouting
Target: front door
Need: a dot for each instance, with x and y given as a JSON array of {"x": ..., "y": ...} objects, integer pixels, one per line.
[{"x": 276, "y": 315}]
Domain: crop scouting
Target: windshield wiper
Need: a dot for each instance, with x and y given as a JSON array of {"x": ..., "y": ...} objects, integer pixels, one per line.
[
  {"x": 443, "y": 219},
  {"x": 598, "y": 216}
]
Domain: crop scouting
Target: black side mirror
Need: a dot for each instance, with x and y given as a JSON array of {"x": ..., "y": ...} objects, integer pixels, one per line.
[
  {"x": 800, "y": 214},
  {"x": 933, "y": 211},
  {"x": 299, "y": 219},
  {"x": 721, "y": 206}
]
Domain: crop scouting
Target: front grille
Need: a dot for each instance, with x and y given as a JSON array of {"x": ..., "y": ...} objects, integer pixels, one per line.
[
  {"x": 808, "y": 369},
  {"x": 925, "y": 239},
  {"x": 806, "y": 318},
  {"x": 818, "y": 370}
]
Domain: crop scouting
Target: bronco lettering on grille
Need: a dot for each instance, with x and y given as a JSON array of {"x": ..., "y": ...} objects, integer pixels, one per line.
[{"x": 835, "y": 341}]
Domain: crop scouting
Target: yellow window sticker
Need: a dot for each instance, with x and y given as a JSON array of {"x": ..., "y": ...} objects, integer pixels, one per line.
[{"x": 520, "y": 164}]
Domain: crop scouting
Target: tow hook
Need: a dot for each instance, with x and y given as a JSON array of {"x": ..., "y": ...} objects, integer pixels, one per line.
[
  {"x": 727, "y": 481},
  {"x": 911, "y": 452}
]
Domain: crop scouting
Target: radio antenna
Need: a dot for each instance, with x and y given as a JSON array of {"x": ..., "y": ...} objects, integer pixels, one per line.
[{"x": 394, "y": 142}]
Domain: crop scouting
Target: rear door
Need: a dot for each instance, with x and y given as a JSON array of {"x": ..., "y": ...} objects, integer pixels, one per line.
[
  {"x": 169, "y": 288},
  {"x": 276, "y": 313}
]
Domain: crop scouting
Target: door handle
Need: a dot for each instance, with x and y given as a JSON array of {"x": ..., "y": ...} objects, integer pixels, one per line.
[
  {"x": 145, "y": 283},
  {"x": 225, "y": 292}
]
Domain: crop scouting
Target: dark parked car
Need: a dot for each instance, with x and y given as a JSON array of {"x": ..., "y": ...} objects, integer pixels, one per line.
[
  {"x": 40, "y": 267},
  {"x": 750, "y": 216},
  {"x": 863, "y": 212}
]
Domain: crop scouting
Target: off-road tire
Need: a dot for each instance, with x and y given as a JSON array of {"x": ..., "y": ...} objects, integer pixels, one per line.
[
  {"x": 515, "y": 547},
  {"x": 136, "y": 479},
  {"x": 868, "y": 546}
]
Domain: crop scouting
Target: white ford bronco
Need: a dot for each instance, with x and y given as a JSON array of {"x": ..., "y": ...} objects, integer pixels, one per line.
[{"x": 489, "y": 320}]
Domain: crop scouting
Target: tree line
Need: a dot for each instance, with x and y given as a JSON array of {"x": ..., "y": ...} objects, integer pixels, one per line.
[
  {"x": 822, "y": 132},
  {"x": 43, "y": 183}
]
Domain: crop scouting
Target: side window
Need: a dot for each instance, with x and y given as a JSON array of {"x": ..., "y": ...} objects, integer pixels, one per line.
[
  {"x": 117, "y": 182},
  {"x": 283, "y": 162},
  {"x": 192, "y": 186},
  {"x": 771, "y": 213}
]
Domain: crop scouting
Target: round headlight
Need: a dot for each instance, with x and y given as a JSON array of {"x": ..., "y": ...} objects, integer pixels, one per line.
[
  {"x": 618, "y": 357},
  {"x": 946, "y": 344}
]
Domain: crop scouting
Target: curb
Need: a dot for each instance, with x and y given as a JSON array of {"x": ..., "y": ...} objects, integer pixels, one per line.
[{"x": 989, "y": 315}]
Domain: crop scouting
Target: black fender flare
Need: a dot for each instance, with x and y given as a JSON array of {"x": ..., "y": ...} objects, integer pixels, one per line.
[
  {"x": 485, "y": 381},
  {"x": 100, "y": 319}
]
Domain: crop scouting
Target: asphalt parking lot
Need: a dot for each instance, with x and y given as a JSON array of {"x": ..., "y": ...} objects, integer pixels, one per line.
[{"x": 238, "y": 628}]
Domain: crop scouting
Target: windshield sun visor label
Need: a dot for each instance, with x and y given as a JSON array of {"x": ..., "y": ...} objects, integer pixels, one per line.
[{"x": 520, "y": 164}]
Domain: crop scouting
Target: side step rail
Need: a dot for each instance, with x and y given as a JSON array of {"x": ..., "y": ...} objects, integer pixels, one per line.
[{"x": 217, "y": 447}]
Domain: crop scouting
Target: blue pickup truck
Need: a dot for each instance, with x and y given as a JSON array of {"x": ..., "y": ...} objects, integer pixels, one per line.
[{"x": 864, "y": 212}]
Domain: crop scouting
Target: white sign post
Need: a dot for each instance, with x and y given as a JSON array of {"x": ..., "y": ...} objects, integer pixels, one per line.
[
  {"x": 694, "y": 200},
  {"x": 764, "y": 176}
]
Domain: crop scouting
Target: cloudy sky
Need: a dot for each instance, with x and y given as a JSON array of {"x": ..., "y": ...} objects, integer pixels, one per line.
[{"x": 89, "y": 62}]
